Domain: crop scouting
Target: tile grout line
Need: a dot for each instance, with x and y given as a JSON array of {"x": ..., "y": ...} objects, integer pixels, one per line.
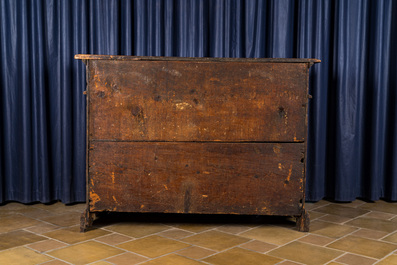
[
  {"x": 384, "y": 258},
  {"x": 350, "y": 234},
  {"x": 157, "y": 233},
  {"x": 27, "y": 245},
  {"x": 279, "y": 246},
  {"x": 125, "y": 251},
  {"x": 216, "y": 251},
  {"x": 326, "y": 246},
  {"x": 88, "y": 240}
]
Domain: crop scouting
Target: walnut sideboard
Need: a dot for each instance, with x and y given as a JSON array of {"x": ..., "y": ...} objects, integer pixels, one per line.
[{"x": 196, "y": 135}]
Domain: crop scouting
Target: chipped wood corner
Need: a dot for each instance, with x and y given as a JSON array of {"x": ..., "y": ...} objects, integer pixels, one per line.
[{"x": 313, "y": 61}]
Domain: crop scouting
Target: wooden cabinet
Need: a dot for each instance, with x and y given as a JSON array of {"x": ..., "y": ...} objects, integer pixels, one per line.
[{"x": 196, "y": 135}]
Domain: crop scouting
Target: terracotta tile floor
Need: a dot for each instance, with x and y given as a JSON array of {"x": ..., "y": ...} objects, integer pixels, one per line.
[{"x": 341, "y": 233}]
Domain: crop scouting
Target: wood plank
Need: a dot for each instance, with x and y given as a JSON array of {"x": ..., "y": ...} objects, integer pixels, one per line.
[
  {"x": 241, "y": 178},
  {"x": 197, "y": 101},
  {"x": 196, "y": 59}
]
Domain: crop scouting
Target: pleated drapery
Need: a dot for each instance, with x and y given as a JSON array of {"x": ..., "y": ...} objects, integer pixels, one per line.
[{"x": 352, "y": 141}]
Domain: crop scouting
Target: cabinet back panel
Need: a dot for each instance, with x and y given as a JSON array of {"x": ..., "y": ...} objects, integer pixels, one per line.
[
  {"x": 243, "y": 178},
  {"x": 197, "y": 101}
]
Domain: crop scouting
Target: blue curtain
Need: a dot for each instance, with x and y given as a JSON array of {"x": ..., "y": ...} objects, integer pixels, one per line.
[{"x": 352, "y": 142}]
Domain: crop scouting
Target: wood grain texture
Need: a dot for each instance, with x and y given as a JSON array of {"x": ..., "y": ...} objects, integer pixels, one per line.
[
  {"x": 241, "y": 178},
  {"x": 196, "y": 135},
  {"x": 196, "y": 59},
  {"x": 197, "y": 101}
]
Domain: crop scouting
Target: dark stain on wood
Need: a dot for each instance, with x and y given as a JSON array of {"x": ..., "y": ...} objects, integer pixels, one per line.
[
  {"x": 136, "y": 111},
  {"x": 101, "y": 94},
  {"x": 187, "y": 199}
]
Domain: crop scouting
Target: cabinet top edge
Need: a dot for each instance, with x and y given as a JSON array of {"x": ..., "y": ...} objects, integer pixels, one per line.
[{"x": 194, "y": 59}]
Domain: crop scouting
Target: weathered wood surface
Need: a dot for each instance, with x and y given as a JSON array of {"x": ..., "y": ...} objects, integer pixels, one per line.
[
  {"x": 87, "y": 57},
  {"x": 241, "y": 178},
  {"x": 197, "y": 101},
  {"x": 196, "y": 135}
]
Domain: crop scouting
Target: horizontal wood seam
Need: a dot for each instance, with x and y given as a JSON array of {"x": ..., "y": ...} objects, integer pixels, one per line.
[{"x": 220, "y": 142}]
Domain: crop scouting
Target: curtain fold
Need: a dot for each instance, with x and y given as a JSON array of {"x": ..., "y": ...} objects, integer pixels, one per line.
[
  {"x": 352, "y": 135},
  {"x": 314, "y": 27}
]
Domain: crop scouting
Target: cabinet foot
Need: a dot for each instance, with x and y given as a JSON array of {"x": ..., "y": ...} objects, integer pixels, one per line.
[
  {"x": 86, "y": 220},
  {"x": 303, "y": 222}
]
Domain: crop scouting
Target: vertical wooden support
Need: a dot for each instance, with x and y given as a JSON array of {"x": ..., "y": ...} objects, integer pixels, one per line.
[
  {"x": 303, "y": 222},
  {"x": 86, "y": 220}
]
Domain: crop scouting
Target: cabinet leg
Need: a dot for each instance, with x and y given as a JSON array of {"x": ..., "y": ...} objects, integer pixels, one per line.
[
  {"x": 86, "y": 220},
  {"x": 303, "y": 222}
]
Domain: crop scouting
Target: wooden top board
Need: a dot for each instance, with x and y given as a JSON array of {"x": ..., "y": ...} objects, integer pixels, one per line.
[{"x": 197, "y": 59}]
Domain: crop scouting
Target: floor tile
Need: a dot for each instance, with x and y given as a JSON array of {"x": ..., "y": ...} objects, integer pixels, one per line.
[
  {"x": 126, "y": 259},
  {"x": 18, "y": 238},
  {"x": 392, "y": 259},
  {"x": 215, "y": 240},
  {"x": 21, "y": 255},
  {"x": 77, "y": 207},
  {"x": 284, "y": 221},
  {"x": 391, "y": 238},
  {"x": 137, "y": 229},
  {"x": 195, "y": 228},
  {"x": 237, "y": 256},
  {"x": 380, "y": 215},
  {"x": 315, "y": 215},
  {"x": 42, "y": 228},
  {"x": 305, "y": 253},
  {"x": 13, "y": 207},
  {"x": 372, "y": 234},
  {"x": 173, "y": 259},
  {"x": 233, "y": 228},
  {"x": 64, "y": 220},
  {"x": 334, "y": 218},
  {"x": 57, "y": 207},
  {"x": 72, "y": 235},
  {"x": 113, "y": 239},
  {"x": 84, "y": 253},
  {"x": 273, "y": 234},
  {"x": 33, "y": 212},
  {"x": 374, "y": 224},
  {"x": 16, "y": 222},
  {"x": 352, "y": 259},
  {"x": 195, "y": 252},
  {"x": 363, "y": 246},
  {"x": 374, "y": 237},
  {"x": 46, "y": 245},
  {"x": 175, "y": 233},
  {"x": 330, "y": 230},
  {"x": 381, "y": 206},
  {"x": 313, "y": 205},
  {"x": 340, "y": 210},
  {"x": 316, "y": 240},
  {"x": 153, "y": 246},
  {"x": 355, "y": 203},
  {"x": 258, "y": 246},
  {"x": 5, "y": 214}
]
